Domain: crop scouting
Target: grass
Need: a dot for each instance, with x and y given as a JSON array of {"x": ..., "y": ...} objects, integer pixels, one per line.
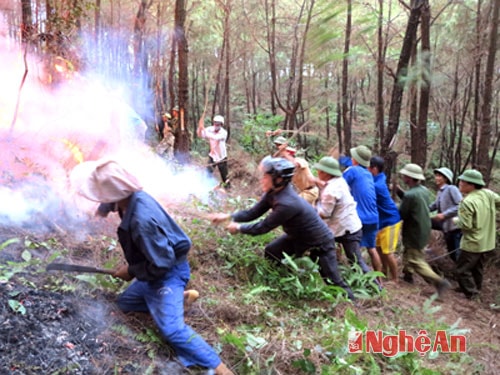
[{"x": 281, "y": 319}]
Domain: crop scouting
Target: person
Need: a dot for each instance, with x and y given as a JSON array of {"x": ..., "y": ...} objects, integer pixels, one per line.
[
  {"x": 338, "y": 208},
  {"x": 414, "y": 210},
  {"x": 362, "y": 187},
  {"x": 446, "y": 204},
  {"x": 345, "y": 162},
  {"x": 166, "y": 146},
  {"x": 304, "y": 229},
  {"x": 174, "y": 121},
  {"x": 389, "y": 220},
  {"x": 217, "y": 156},
  {"x": 477, "y": 220},
  {"x": 303, "y": 179},
  {"x": 280, "y": 141},
  {"x": 156, "y": 250},
  {"x": 160, "y": 126}
]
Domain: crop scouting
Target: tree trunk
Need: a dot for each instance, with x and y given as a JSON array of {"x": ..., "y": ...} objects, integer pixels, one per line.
[
  {"x": 295, "y": 72},
  {"x": 182, "y": 135},
  {"x": 346, "y": 123},
  {"x": 398, "y": 86},
  {"x": 381, "y": 52},
  {"x": 412, "y": 99},
  {"x": 485, "y": 134},
  {"x": 425, "y": 86},
  {"x": 97, "y": 27},
  {"x": 477, "y": 83},
  {"x": 227, "y": 38},
  {"x": 139, "y": 25},
  {"x": 27, "y": 23}
]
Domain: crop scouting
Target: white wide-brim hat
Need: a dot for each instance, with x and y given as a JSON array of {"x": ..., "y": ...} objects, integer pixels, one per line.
[{"x": 104, "y": 181}]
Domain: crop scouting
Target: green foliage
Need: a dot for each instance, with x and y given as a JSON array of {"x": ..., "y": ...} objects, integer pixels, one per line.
[
  {"x": 8, "y": 242},
  {"x": 252, "y": 135},
  {"x": 248, "y": 344},
  {"x": 362, "y": 284},
  {"x": 17, "y": 306},
  {"x": 149, "y": 336}
]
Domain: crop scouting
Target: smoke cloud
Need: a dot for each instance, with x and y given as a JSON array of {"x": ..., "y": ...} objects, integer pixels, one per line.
[{"x": 58, "y": 125}]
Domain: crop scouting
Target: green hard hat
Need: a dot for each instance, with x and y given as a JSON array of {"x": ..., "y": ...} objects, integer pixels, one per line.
[
  {"x": 472, "y": 176},
  {"x": 329, "y": 165}
]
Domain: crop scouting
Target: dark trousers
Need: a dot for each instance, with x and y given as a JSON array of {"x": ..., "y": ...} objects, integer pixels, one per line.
[
  {"x": 452, "y": 239},
  {"x": 469, "y": 272},
  {"x": 324, "y": 254},
  {"x": 351, "y": 244},
  {"x": 221, "y": 165}
]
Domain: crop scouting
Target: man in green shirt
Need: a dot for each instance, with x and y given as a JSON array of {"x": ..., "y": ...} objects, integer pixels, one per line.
[
  {"x": 414, "y": 211},
  {"x": 477, "y": 220}
]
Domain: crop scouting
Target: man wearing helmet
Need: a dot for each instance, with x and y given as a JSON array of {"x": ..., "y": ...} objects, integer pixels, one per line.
[
  {"x": 304, "y": 229},
  {"x": 217, "y": 156}
]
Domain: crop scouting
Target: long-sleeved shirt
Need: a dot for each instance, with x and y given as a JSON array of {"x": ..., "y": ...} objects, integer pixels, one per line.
[
  {"x": 337, "y": 206},
  {"x": 447, "y": 200},
  {"x": 414, "y": 211},
  {"x": 388, "y": 213},
  {"x": 298, "y": 218},
  {"x": 217, "y": 140},
  {"x": 477, "y": 220},
  {"x": 360, "y": 180},
  {"x": 151, "y": 240}
]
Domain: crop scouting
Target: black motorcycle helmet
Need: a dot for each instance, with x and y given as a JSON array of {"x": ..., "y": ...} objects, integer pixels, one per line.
[{"x": 280, "y": 169}]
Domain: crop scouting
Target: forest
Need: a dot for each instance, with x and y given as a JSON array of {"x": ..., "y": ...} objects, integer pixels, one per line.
[
  {"x": 407, "y": 78},
  {"x": 414, "y": 80}
]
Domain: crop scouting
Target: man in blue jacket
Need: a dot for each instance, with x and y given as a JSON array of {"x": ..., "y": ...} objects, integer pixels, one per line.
[
  {"x": 156, "y": 249},
  {"x": 362, "y": 187},
  {"x": 389, "y": 220}
]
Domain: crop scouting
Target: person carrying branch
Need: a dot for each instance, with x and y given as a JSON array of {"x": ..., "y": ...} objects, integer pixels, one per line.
[
  {"x": 303, "y": 179},
  {"x": 304, "y": 229},
  {"x": 217, "y": 156},
  {"x": 156, "y": 249}
]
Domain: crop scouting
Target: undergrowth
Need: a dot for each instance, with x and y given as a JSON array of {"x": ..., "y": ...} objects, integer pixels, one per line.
[{"x": 298, "y": 324}]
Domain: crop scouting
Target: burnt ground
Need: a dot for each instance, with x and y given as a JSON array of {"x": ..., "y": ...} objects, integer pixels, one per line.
[{"x": 56, "y": 323}]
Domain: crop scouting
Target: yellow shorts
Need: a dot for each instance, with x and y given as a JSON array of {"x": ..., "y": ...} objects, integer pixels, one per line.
[{"x": 388, "y": 238}]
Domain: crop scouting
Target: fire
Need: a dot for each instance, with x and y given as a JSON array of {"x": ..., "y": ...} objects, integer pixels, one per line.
[{"x": 74, "y": 149}]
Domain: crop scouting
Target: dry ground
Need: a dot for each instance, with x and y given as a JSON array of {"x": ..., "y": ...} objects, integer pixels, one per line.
[{"x": 79, "y": 331}]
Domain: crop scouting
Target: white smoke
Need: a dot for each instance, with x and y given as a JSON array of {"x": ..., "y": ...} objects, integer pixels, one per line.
[{"x": 57, "y": 128}]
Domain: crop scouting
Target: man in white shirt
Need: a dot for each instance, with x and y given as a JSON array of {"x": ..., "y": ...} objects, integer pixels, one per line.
[
  {"x": 338, "y": 208},
  {"x": 217, "y": 156}
]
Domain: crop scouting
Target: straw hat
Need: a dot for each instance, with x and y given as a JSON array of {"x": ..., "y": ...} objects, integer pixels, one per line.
[{"x": 104, "y": 181}]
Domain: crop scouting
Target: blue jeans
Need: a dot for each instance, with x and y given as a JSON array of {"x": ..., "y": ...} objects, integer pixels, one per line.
[{"x": 164, "y": 300}]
